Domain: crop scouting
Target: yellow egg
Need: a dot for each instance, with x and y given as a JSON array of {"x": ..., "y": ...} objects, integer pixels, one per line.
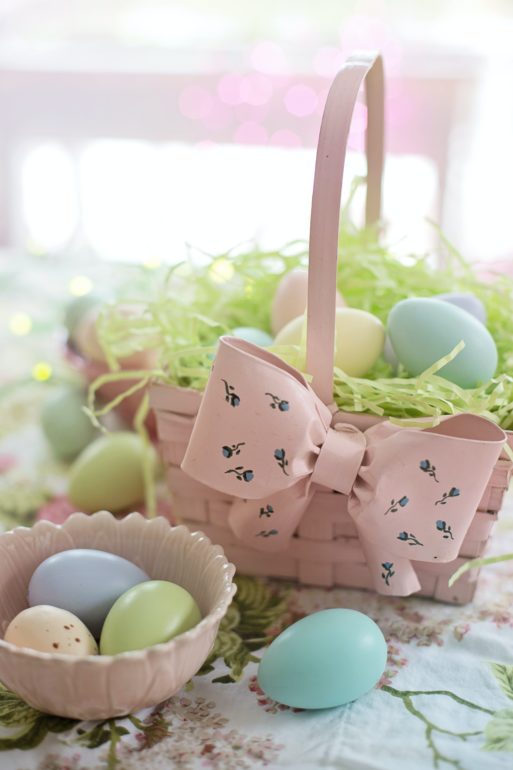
[
  {"x": 51, "y": 629},
  {"x": 359, "y": 339},
  {"x": 290, "y": 299}
]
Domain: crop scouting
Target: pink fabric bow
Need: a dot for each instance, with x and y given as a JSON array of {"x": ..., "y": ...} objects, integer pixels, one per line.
[{"x": 263, "y": 436}]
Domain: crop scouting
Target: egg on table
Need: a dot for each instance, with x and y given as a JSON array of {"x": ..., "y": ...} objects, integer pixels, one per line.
[
  {"x": 109, "y": 473},
  {"x": 424, "y": 330},
  {"x": 359, "y": 339},
  {"x": 85, "y": 582},
  {"x": 51, "y": 629},
  {"x": 290, "y": 299},
  {"x": 327, "y": 659},
  {"x": 67, "y": 428},
  {"x": 150, "y": 613}
]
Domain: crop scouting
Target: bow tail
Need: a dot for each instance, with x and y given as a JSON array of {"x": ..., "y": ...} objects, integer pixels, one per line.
[
  {"x": 268, "y": 524},
  {"x": 391, "y": 575}
]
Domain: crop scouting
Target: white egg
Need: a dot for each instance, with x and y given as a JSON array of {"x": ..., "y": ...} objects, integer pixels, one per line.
[
  {"x": 290, "y": 299},
  {"x": 51, "y": 629}
]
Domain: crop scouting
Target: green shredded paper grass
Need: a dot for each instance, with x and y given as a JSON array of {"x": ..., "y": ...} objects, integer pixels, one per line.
[{"x": 193, "y": 303}]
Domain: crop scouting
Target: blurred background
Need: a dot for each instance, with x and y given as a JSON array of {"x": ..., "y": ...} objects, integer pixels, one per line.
[{"x": 132, "y": 130}]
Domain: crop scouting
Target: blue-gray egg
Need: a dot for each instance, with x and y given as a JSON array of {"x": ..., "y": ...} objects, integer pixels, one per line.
[
  {"x": 468, "y": 302},
  {"x": 85, "y": 582},
  {"x": 424, "y": 330},
  {"x": 326, "y": 659},
  {"x": 256, "y": 336}
]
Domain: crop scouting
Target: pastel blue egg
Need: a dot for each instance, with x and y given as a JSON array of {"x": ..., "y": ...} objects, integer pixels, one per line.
[
  {"x": 85, "y": 582},
  {"x": 468, "y": 302},
  {"x": 326, "y": 659},
  {"x": 256, "y": 336},
  {"x": 424, "y": 330}
]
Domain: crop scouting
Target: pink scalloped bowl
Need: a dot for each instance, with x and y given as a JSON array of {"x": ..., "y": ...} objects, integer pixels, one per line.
[{"x": 101, "y": 687}]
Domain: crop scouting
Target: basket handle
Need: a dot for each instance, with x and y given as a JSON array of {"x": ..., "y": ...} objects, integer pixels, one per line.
[{"x": 325, "y": 215}]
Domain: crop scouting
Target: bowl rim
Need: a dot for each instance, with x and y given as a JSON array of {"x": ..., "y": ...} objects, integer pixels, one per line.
[{"x": 211, "y": 618}]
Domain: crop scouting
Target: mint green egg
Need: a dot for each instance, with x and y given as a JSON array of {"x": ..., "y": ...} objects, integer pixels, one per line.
[
  {"x": 256, "y": 336},
  {"x": 149, "y": 613},
  {"x": 424, "y": 330},
  {"x": 108, "y": 475},
  {"x": 327, "y": 659},
  {"x": 67, "y": 428}
]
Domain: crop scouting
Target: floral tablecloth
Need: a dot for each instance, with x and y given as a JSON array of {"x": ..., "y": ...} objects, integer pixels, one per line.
[{"x": 446, "y": 698}]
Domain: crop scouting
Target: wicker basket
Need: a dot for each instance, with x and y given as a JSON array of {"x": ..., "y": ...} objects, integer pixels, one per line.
[{"x": 325, "y": 550}]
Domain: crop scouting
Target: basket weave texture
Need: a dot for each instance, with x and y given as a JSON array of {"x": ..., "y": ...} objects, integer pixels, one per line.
[{"x": 326, "y": 550}]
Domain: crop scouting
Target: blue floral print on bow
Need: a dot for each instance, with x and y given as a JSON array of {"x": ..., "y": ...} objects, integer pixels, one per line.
[
  {"x": 453, "y": 492},
  {"x": 280, "y": 457},
  {"x": 229, "y": 450},
  {"x": 396, "y": 504},
  {"x": 267, "y": 511},
  {"x": 442, "y": 526},
  {"x": 241, "y": 473},
  {"x": 389, "y": 572},
  {"x": 231, "y": 396},
  {"x": 278, "y": 403},
  {"x": 409, "y": 538},
  {"x": 425, "y": 465}
]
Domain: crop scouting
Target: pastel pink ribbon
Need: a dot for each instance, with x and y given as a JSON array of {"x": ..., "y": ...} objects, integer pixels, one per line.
[{"x": 263, "y": 436}]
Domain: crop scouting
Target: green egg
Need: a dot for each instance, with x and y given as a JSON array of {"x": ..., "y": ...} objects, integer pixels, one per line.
[
  {"x": 109, "y": 473},
  {"x": 149, "y": 613},
  {"x": 78, "y": 307},
  {"x": 67, "y": 428}
]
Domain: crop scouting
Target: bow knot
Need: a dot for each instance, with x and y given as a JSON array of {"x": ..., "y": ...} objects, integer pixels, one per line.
[{"x": 264, "y": 437}]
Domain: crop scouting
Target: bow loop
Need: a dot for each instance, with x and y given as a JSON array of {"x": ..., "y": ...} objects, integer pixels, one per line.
[{"x": 264, "y": 437}]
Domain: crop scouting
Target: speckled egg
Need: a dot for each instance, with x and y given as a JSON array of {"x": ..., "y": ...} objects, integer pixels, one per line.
[
  {"x": 67, "y": 428},
  {"x": 84, "y": 581},
  {"x": 108, "y": 475},
  {"x": 327, "y": 659},
  {"x": 256, "y": 336},
  {"x": 150, "y": 613},
  {"x": 424, "y": 330},
  {"x": 51, "y": 629},
  {"x": 290, "y": 298}
]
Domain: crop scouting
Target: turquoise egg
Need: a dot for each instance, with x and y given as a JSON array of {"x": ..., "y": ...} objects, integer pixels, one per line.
[
  {"x": 67, "y": 428},
  {"x": 256, "y": 336},
  {"x": 468, "y": 302},
  {"x": 424, "y": 330},
  {"x": 326, "y": 659}
]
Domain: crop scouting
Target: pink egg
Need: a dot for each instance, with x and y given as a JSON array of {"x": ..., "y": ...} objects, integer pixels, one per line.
[
  {"x": 290, "y": 299},
  {"x": 88, "y": 344}
]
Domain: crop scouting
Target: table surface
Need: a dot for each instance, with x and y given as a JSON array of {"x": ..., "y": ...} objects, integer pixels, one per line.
[{"x": 445, "y": 699}]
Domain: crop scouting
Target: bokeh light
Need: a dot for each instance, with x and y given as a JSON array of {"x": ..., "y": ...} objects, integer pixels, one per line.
[
  {"x": 20, "y": 324},
  {"x": 256, "y": 89},
  {"x": 285, "y": 138},
  {"x": 221, "y": 271},
  {"x": 42, "y": 371},
  {"x": 250, "y": 132},
  {"x": 301, "y": 100},
  {"x": 80, "y": 285}
]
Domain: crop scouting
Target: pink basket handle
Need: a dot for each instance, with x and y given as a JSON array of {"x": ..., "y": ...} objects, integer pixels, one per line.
[{"x": 325, "y": 216}]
